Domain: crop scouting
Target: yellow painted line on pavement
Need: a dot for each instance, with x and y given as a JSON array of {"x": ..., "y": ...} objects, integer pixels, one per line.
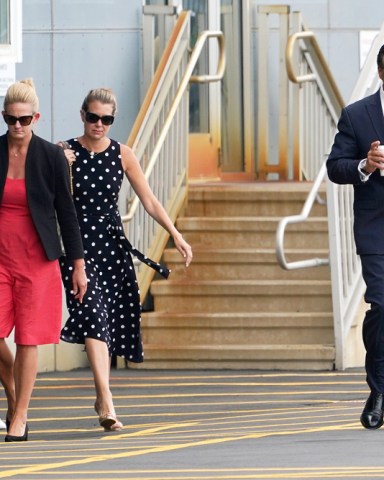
[
  {"x": 230, "y": 383},
  {"x": 142, "y": 376},
  {"x": 216, "y": 394},
  {"x": 254, "y": 476},
  {"x": 160, "y": 449}
]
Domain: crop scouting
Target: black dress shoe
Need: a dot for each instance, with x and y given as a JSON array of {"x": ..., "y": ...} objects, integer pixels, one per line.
[
  {"x": 16, "y": 438},
  {"x": 372, "y": 415}
]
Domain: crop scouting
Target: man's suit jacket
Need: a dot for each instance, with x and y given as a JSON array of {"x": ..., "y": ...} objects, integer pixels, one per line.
[
  {"x": 360, "y": 124},
  {"x": 48, "y": 194}
]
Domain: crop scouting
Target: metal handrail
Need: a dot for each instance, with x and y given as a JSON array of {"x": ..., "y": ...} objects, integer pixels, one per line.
[
  {"x": 321, "y": 62},
  {"x": 335, "y": 102},
  {"x": 292, "y": 219},
  {"x": 221, "y": 62},
  {"x": 159, "y": 138},
  {"x": 174, "y": 41},
  {"x": 199, "y": 45}
]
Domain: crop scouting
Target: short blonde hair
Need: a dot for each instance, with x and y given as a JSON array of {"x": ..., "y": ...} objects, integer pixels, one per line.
[
  {"x": 22, "y": 92},
  {"x": 102, "y": 95}
]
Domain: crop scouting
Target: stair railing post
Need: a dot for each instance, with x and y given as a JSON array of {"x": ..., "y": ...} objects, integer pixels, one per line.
[
  {"x": 295, "y": 113},
  {"x": 160, "y": 18},
  {"x": 272, "y": 150},
  {"x": 282, "y": 100}
]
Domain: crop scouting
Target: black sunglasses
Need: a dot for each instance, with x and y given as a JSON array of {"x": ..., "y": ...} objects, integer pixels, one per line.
[
  {"x": 93, "y": 118},
  {"x": 24, "y": 120}
]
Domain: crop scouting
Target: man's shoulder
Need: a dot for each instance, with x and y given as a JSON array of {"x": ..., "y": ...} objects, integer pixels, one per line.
[{"x": 361, "y": 103}]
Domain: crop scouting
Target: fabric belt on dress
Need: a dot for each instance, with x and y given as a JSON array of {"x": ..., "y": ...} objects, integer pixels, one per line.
[{"x": 115, "y": 229}]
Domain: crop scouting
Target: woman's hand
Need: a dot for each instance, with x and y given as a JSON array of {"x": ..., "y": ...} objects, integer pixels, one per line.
[
  {"x": 183, "y": 247},
  {"x": 79, "y": 280},
  {"x": 151, "y": 204},
  {"x": 69, "y": 154}
]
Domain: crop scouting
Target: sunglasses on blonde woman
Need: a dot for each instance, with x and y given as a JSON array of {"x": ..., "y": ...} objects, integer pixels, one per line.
[
  {"x": 93, "y": 118},
  {"x": 24, "y": 120}
]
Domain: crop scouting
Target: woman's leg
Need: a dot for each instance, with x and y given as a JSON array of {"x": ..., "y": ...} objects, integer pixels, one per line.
[
  {"x": 25, "y": 371},
  {"x": 100, "y": 362},
  {"x": 6, "y": 376}
]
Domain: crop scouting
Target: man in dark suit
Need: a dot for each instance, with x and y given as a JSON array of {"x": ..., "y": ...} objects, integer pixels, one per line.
[{"x": 356, "y": 159}]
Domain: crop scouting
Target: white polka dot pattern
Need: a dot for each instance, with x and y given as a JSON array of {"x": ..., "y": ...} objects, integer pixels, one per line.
[{"x": 111, "y": 308}]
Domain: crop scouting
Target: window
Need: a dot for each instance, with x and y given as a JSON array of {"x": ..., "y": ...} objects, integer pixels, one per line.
[{"x": 10, "y": 31}]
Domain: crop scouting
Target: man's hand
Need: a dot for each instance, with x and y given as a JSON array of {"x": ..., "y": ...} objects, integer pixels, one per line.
[{"x": 375, "y": 158}]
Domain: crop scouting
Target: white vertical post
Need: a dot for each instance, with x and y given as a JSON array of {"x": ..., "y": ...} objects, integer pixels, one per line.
[
  {"x": 214, "y": 88},
  {"x": 249, "y": 160}
]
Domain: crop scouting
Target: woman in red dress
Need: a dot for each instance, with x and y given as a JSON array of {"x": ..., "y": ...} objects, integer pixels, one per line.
[{"x": 34, "y": 198}]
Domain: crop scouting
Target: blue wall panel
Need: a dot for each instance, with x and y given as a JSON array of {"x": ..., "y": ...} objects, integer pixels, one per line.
[
  {"x": 71, "y": 46},
  {"x": 99, "y": 59}
]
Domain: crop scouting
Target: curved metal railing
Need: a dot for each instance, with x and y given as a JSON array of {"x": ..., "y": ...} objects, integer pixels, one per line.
[
  {"x": 324, "y": 93},
  {"x": 188, "y": 77},
  {"x": 313, "y": 50},
  {"x": 159, "y": 139},
  {"x": 292, "y": 219}
]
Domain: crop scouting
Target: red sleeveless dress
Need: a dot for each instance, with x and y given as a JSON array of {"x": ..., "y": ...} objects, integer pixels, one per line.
[{"x": 30, "y": 284}]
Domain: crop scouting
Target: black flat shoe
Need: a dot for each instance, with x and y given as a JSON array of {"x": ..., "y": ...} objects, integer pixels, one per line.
[
  {"x": 372, "y": 415},
  {"x": 15, "y": 438}
]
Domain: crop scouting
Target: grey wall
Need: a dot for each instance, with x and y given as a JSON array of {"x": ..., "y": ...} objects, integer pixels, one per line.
[
  {"x": 71, "y": 46},
  {"x": 337, "y": 25}
]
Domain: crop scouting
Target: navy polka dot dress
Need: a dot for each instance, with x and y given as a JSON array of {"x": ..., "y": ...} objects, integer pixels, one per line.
[{"x": 111, "y": 308}]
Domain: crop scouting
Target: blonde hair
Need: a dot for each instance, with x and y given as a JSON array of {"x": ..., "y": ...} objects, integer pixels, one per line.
[
  {"x": 102, "y": 95},
  {"x": 22, "y": 92}
]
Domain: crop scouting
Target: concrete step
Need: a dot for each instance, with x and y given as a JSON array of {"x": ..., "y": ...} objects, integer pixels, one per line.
[
  {"x": 247, "y": 263},
  {"x": 242, "y": 296},
  {"x": 234, "y": 307},
  {"x": 228, "y": 328},
  {"x": 253, "y": 199},
  {"x": 263, "y": 357},
  {"x": 252, "y": 232}
]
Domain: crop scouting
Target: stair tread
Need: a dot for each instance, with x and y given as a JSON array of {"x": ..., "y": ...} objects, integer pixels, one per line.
[
  {"x": 248, "y": 224},
  {"x": 242, "y": 288},
  {"x": 240, "y": 314},
  {"x": 235, "y": 353},
  {"x": 262, "y": 188},
  {"x": 226, "y": 255},
  {"x": 236, "y": 251},
  {"x": 237, "y": 320},
  {"x": 247, "y": 219},
  {"x": 300, "y": 346},
  {"x": 234, "y": 282}
]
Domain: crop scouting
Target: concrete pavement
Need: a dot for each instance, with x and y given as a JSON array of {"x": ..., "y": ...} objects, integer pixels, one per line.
[{"x": 199, "y": 425}]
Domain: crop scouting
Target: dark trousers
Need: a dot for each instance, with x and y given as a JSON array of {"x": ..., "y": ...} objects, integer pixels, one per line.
[{"x": 373, "y": 325}]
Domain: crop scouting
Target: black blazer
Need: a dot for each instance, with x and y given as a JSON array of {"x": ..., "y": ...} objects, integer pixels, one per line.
[
  {"x": 49, "y": 198},
  {"x": 360, "y": 124}
]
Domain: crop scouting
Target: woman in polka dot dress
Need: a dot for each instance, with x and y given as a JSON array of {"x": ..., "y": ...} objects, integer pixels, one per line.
[{"x": 108, "y": 320}]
